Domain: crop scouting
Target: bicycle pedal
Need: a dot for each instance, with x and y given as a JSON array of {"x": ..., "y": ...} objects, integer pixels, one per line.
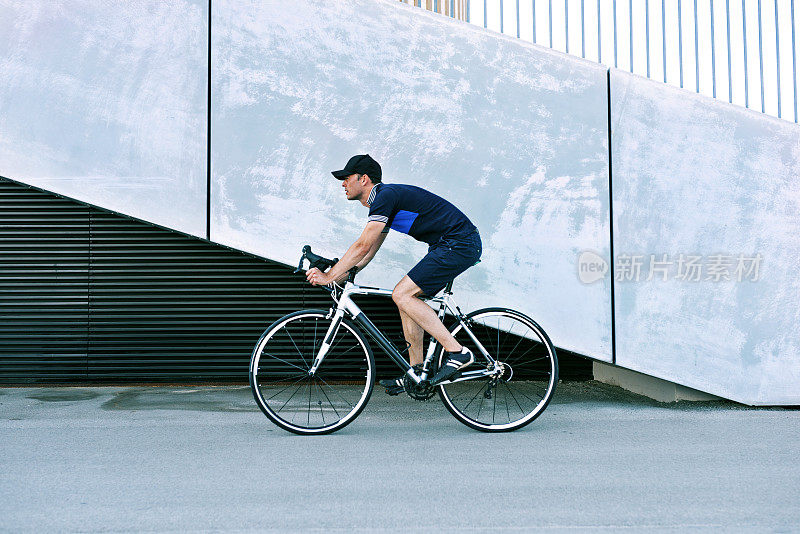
[{"x": 394, "y": 391}]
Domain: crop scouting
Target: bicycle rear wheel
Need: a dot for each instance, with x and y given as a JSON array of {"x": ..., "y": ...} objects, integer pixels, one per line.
[
  {"x": 300, "y": 402},
  {"x": 520, "y": 392}
]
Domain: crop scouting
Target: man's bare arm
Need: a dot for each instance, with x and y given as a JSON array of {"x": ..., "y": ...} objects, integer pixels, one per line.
[
  {"x": 371, "y": 254},
  {"x": 358, "y": 250}
]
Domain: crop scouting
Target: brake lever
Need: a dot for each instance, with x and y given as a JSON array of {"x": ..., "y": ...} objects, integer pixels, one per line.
[
  {"x": 318, "y": 263},
  {"x": 306, "y": 250},
  {"x": 324, "y": 266}
]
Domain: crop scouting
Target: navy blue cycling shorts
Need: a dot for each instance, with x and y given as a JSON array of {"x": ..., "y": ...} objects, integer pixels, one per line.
[{"x": 446, "y": 259}]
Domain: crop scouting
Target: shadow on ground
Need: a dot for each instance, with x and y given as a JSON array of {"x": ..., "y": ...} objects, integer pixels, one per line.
[
  {"x": 204, "y": 399},
  {"x": 238, "y": 398}
]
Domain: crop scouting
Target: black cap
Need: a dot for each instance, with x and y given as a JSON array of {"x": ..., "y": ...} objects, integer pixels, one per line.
[{"x": 361, "y": 164}]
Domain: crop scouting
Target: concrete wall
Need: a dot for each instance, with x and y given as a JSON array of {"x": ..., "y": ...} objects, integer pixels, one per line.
[
  {"x": 106, "y": 102},
  {"x": 514, "y": 135},
  {"x": 694, "y": 176}
]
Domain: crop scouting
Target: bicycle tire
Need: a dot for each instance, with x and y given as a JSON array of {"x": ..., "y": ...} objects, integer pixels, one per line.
[
  {"x": 540, "y": 369},
  {"x": 279, "y": 368}
]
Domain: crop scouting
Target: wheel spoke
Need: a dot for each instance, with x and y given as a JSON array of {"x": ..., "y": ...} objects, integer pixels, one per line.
[
  {"x": 483, "y": 398},
  {"x": 334, "y": 390},
  {"x": 524, "y": 395},
  {"x": 516, "y": 401},
  {"x": 530, "y": 362},
  {"x": 488, "y": 335},
  {"x": 348, "y": 350},
  {"x": 508, "y": 334},
  {"x": 329, "y": 400},
  {"x": 498, "y": 336},
  {"x": 321, "y": 411},
  {"x": 287, "y": 387},
  {"x": 465, "y": 392},
  {"x": 295, "y": 346},
  {"x": 308, "y": 414},
  {"x": 480, "y": 390},
  {"x": 287, "y": 363},
  {"x": 524, "y": 353},
  {"x": 508, "y": 412},
  {"x": 290, "y": 397},
  {"x": 494, "y": 404},
  {"x": 517, "y": 345}
]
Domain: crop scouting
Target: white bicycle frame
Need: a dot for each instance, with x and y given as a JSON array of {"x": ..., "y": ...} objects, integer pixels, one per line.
[{"x": 345, "y": 305}]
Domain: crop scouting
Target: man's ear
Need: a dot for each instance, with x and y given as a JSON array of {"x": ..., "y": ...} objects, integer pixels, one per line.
[{"x": 367, "y": 177}]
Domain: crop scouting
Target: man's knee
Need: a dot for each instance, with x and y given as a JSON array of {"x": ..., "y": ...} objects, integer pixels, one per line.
[
  {"x": 405, "y": 290},
  {"x": 399, "y": 296}
]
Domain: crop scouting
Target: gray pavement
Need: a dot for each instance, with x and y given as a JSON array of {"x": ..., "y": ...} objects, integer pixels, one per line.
[{"x": 137, "y": 459}]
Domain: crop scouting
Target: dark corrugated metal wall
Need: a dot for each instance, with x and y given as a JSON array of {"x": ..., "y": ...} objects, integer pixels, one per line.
[
  {"x": 44, "y": 285},
  {"x": 92, "y": 296}
]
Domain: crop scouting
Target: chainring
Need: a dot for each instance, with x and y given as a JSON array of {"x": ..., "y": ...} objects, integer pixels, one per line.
[{"x": 421, "y": 392}]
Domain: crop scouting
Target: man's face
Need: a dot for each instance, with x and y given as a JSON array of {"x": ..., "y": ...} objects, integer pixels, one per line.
[{"x": 353, "y": 186}]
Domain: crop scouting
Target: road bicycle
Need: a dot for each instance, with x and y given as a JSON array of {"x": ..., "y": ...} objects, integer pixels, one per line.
[{"x": 312, "y": 371}]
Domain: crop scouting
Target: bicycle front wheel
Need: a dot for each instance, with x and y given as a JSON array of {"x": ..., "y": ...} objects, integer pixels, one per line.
[
  {"x": 520, "y": 390},
  {"x": 298, "y": 401}
]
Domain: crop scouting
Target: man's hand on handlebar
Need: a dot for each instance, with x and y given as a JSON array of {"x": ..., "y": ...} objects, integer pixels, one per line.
[{"x": 316, "y": 277}]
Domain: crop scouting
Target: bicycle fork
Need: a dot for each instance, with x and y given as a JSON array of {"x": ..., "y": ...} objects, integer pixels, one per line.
[{"x": 327, "y": 341}]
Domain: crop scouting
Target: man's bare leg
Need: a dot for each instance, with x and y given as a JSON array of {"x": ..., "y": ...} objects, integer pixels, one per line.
[
  {"x": 413, "y": 334},
  {"x": 405, "y": 296}
]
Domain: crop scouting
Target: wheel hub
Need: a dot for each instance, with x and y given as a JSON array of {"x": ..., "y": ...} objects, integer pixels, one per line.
[{"x": 504, "y": 372}]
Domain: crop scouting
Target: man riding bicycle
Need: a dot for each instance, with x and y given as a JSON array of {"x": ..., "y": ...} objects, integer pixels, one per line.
[{"x": 453, "y": 246}]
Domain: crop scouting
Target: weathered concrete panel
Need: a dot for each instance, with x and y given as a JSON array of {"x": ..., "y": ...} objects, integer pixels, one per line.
[
  {"x": 106, "y": 102},
  {"x": 698, "y": 177},
  {"x": 513, "y": 134}
]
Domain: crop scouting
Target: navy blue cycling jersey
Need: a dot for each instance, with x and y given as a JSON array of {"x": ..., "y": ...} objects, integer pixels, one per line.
[{"x": 419, "y": 213}]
